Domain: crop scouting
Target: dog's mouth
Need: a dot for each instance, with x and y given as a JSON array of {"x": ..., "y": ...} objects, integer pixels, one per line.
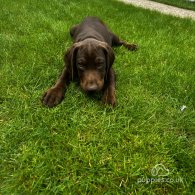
[{"x": 91, "y": 93}]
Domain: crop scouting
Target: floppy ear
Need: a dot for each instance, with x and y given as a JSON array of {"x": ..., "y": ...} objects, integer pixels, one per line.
[
  {"x": 70, "y": 59},
  {"x": 109, "y": 57}
]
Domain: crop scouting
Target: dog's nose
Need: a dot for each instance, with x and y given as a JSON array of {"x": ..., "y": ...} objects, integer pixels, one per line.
[{"x": 92, "y": 86}]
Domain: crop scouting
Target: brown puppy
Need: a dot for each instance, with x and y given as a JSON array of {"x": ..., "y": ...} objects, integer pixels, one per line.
[{"x": 89, "y": 61}]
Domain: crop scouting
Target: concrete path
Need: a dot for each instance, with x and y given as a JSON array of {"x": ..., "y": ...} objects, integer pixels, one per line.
[{"x": 166, "y": 9}]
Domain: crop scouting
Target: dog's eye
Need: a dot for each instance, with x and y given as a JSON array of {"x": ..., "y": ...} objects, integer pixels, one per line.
[
  {"x": 80, "y": 66},
  {"x": 100, "y": 65}
]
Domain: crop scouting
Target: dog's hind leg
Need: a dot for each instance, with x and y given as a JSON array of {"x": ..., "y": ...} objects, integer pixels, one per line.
[{"x": 116, "y": 41}]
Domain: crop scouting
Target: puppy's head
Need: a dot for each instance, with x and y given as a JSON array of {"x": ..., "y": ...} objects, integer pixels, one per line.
[{"x": 90, "y": 60}]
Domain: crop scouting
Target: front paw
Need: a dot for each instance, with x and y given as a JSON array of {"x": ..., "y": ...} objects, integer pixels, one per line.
[
  {"x": 53, "y": 97},
  {"x": 109, "y": 98}
]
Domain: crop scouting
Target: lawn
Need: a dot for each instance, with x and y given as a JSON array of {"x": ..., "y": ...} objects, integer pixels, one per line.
[
  {"x": 179, "y": 3},
  {"x": 82, "y": 146}
]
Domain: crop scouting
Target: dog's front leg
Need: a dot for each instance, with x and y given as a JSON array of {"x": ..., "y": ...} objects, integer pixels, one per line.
[
  {"x": 109, "y": 90},
  {"x": 55, "y": 94}
]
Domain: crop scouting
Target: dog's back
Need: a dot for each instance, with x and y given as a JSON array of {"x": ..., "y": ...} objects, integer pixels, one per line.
[{"x": 91, "y": 27}]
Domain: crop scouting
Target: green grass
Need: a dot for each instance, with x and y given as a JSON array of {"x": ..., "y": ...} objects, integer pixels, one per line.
[
  {"x": 82, "y": 146},
  {"x": 179, "y": 3}
]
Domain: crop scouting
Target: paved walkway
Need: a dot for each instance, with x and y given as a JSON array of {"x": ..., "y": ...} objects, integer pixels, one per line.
[{"x": 166, "y": 9}]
